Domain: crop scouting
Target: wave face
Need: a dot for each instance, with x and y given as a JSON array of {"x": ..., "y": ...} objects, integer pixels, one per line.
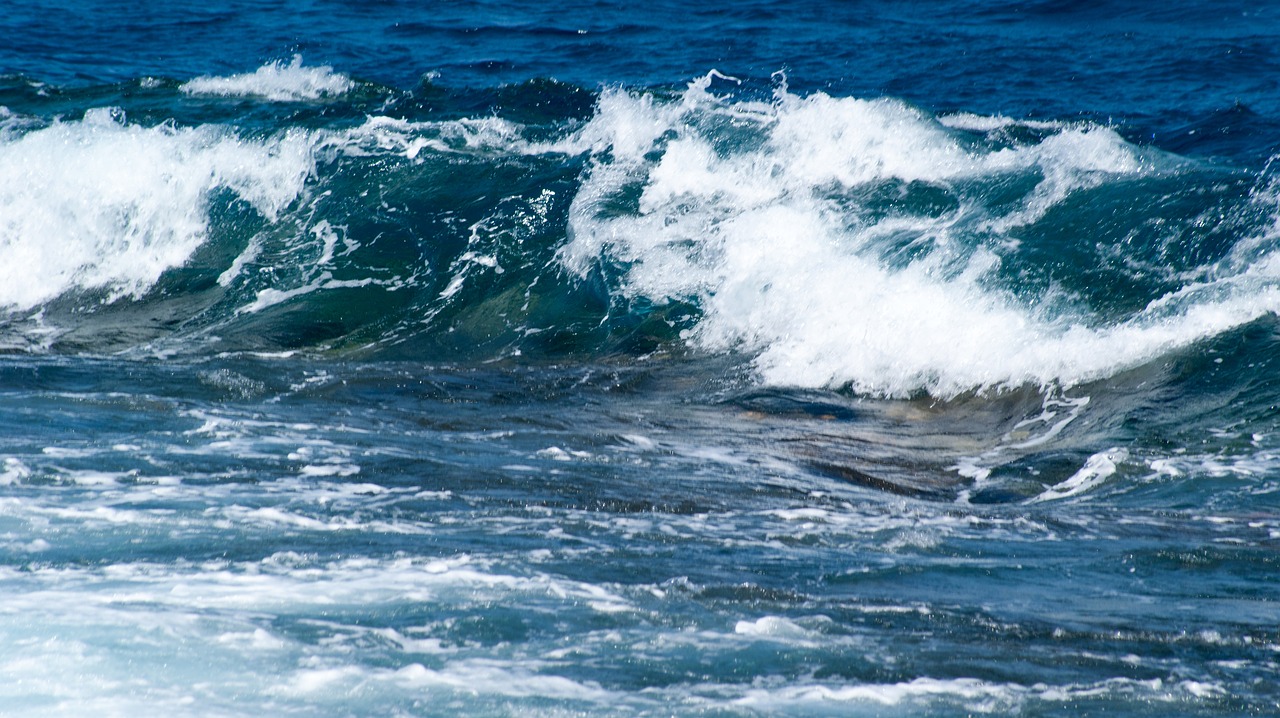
[{"x": 833, "y": 241}]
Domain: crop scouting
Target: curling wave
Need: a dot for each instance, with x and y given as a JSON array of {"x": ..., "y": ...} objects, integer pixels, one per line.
[{"x": 834, "y": 241}]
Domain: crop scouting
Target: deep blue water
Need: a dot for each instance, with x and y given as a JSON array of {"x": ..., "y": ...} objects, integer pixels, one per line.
[{"x": 796, "y": 358}]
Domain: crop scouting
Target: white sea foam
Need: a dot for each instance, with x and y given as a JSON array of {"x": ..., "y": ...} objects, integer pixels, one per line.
[
  {"x": 291, "y": 580},
  {"x": 277, "y": 82},
  {"x": 774, "y": 627},
  {"x": 271, "y": 296},
  {"x": 1057, "y": 412},
  {"x": 983, "y": 123},
  {"x": 165, "y": 609},
  {"x": 1096, "y": 470},
  {"x": 201, "y": 640},
  {"x": 975, "y": 695},
  {"x": 501, "y": 678},
  {"x": 14, "y": 472},
  {"x": 556, "y": 453},
  {"x": 101, "y": 204},
  {"x": 751, "y": 210},
  {"x": 388, "y": 135},
  {"x": 883, "y": 694}
]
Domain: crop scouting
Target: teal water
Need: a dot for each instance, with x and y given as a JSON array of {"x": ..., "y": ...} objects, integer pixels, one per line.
[{"x": 781, "y": 359}]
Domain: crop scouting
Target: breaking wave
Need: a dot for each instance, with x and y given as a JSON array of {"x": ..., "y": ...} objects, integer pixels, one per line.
[{"x": 833, "y": 241}]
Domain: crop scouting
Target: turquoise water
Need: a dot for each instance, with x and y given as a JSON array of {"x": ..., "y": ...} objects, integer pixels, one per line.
[{"x": 774, "y": 359}]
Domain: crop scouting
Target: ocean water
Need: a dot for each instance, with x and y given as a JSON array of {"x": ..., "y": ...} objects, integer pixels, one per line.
[{"x": 765, "y": 358}]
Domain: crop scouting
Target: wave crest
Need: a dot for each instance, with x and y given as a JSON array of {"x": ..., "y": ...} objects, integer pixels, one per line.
[
  {"x": 101, "y": 204},
  {"x": 276, "y": 82},
  {"x": 865, "y": 243}
]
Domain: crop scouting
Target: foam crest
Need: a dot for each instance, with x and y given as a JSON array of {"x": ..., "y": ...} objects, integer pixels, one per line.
[
  {"x": 975, "y": 695},
  {"x": 874, "y": 139},
  {"x": 276, "y": 82},
  {"x": 101, "y": 204},
  {"x": 1096, "y": 470},
  {"x": 388, "y": 135},
  {"x": 849, "y": 242}
]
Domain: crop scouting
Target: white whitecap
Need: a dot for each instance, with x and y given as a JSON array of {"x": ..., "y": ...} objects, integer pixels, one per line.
[
  {"x": 103, "y": 204},
  {"x": 277, "y": 82},
  {"x": 752, "y": 212},
  {"x": 773, "y": 627},
  {"x": 389, "y": 135},
  {"x": 1097, "y": 469}
]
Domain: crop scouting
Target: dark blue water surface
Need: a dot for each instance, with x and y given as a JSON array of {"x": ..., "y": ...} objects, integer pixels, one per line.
[
  {"x": 415, "y": 359},
  {"x": 1163, "y": 71}
]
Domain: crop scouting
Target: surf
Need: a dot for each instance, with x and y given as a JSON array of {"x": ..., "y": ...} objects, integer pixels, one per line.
[
  {"x": 856, "y": 243},
  {"x": 835, "y": 242}
]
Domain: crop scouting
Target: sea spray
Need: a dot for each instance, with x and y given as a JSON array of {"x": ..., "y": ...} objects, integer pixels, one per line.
[
  {"x": 859, "y": 243},
  {"x": 103, "y": 204},
  {"x": 276, "y": 82}
]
